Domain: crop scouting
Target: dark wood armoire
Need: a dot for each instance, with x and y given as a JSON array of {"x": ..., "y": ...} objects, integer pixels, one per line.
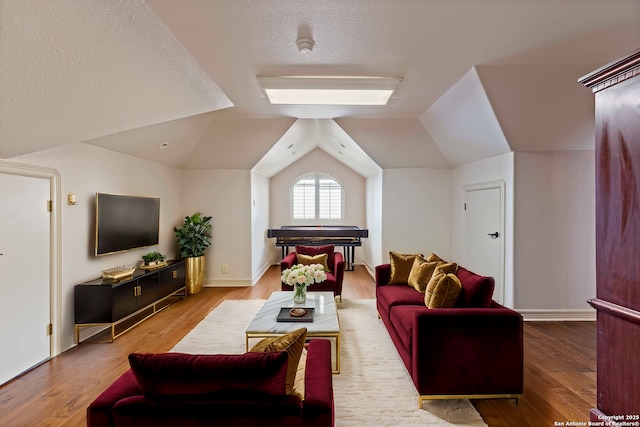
[{"x": 617, "y": 129}]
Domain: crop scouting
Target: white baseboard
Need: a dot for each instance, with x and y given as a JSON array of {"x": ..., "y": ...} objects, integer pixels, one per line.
[
  {"x": 370, "y": 270},
  {"x": 232, "y": 283},
  {"x": 67, "y": 343},
  {"x": 261, "y": 272},
  {"x": 227, "y": 283},
  {"x": 551, "y": 315}
]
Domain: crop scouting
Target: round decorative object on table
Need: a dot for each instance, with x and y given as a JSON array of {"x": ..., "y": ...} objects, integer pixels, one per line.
[{"x": 297, "y": 312}]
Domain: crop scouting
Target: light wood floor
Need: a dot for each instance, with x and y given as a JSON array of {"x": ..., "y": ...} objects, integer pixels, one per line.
[{"x": 559, "y": 374}]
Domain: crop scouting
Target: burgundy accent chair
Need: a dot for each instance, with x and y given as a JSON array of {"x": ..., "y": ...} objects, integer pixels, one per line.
[
  {"x": 171, "y": 389},
  {"x": 473, "y": 350},
  {"x": 335, "y": 262}
]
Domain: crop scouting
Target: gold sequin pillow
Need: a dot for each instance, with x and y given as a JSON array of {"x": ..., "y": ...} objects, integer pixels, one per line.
[
  {"x": 401, "y": 267},
  {"x": 421, "y": 273},
  {"x": 438, "y": 274}
]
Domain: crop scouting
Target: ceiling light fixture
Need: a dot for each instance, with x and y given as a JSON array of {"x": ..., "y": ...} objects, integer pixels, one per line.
[
  {"x": 329, "y": 90},
  {"x": 305, "y": 44}
]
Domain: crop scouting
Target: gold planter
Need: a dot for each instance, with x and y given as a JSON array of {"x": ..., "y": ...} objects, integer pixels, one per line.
[{"x": 194, "y": 274}]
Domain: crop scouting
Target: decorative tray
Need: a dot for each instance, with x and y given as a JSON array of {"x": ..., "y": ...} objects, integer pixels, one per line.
[
  {"x": 117, "y": 273},
  {"x": 295, "y": 314},
  {"x": 152, "y": 267}
]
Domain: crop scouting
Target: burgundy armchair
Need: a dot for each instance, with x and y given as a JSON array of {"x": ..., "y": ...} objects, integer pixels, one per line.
[{"x": 335, "y": 264}]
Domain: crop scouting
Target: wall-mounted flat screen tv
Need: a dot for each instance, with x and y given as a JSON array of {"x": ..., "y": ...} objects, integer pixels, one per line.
[{"x": 125, "y": 222}]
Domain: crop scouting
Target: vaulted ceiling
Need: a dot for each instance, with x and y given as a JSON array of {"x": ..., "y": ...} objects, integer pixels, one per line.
[{"x": 174, "y": 81}]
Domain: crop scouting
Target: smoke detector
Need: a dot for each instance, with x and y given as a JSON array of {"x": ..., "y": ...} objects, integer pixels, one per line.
[{"x": 305, "y": 44}]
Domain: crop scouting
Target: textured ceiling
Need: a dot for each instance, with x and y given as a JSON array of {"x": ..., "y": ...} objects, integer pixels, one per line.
[
  {"x": 130, "y": 75},
  {"x": 75, "y": 70}
]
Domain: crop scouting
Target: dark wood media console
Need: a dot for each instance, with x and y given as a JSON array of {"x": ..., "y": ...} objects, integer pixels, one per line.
[{"x": 125, "y": 303}]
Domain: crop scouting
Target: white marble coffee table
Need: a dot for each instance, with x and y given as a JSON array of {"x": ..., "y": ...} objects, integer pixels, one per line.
[{"x": 325, "y": 319}]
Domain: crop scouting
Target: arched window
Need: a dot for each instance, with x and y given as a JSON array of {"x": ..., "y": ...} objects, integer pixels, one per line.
[{"x": 317, "y": 197}]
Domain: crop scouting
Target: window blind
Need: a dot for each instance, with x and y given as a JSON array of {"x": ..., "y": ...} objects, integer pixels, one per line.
[{"x": 317, "y": 197}]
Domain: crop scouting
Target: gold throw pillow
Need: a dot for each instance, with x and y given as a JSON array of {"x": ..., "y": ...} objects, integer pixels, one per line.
[
  {"x": 401, "y": 267},
  {"x": 445, "y": 292},
  {"x": 440, "y": 271},
  {"x": 433, "y": 257},
  {"x": 298, "y": 386},
  {"x": 292, "y": 343},
  {"x": 421, "y": 273},
  {"x": 313, "y": 259}
]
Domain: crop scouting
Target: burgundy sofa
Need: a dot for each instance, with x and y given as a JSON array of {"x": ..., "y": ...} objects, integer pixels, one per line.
[
  {"x": 335, "y": 262},
  {"x": 218, "y": 390},
  {"x": 472, "y": 350}
]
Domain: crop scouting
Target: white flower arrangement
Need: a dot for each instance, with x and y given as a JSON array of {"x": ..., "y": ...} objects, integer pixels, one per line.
[
  {"x": 300, "y": 276},
  {"x": 306, "y": 275}
]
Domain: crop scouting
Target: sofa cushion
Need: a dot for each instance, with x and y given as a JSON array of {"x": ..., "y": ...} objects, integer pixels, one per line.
[
  {"x": 477, "y": 290},
  {"x": 401, "y": 267},
  {"x": 403, "y": 320},
  {"x": 441, "y": 270},
  {"x": 293, "y": 344},
  {"x": 179, "y": 374},
  {"x": 391, "y": 295},
  {"x": 446, "y": 292},
  {"x": 421, "y": 273},
  {"x": 313, "y": 259}
]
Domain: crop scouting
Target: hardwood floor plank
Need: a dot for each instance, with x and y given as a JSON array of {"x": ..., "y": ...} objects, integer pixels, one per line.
[{"x": 560, "y": 360}]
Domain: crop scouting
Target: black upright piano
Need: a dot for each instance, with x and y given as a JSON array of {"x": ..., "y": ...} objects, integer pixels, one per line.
[{"x": 347, "y": 236}]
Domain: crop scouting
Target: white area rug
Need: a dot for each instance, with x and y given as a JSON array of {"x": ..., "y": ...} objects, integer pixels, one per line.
[{"x": 373, "y": 387}]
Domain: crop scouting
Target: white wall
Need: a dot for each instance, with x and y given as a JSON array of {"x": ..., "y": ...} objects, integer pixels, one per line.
[
  {"x": 416, "y": 212},
  {"x": 554, "y": 261},
  {"x": 317, "y": 161},
  {"x": 260, "y": 245},
  {"x": 499, "y": 168},
  {"x": 85, "y": 170},
  {"x": 373, "y": 246},
  {"x": 553, "y": 245},
  {"x": 225, "y": 195}
]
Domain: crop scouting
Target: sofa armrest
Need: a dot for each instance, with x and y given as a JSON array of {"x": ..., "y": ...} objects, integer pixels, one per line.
[
  {"x": 288, "y": 261},
  {"x": 468, "y": 351},
  {"x": 383, "y": 274},
  {"x": 338, "y": 266},
  {"x": 318, "y": 401},
  {"x": 99, "y": 412}
]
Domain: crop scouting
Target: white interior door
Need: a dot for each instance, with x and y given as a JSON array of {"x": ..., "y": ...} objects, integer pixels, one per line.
[
  {"x": 24, "y": 274},
  {"x": 483, "y": 235}
]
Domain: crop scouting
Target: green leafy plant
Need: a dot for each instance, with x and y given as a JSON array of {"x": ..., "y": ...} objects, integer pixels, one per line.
[
  {"x": 152, "y": 257},
  {"x": 194, "y": 236}
]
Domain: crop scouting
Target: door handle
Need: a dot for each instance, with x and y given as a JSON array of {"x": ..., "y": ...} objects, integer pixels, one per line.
[{"x": 493, "y": 235}]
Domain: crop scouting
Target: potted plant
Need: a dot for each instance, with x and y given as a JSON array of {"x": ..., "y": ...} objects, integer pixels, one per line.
[
  {"x": 153, "y": 258},
  {"x": 193, "y": 238}
]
